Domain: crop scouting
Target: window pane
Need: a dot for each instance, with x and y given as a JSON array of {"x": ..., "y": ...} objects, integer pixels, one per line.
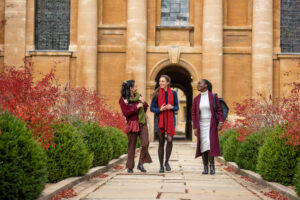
[
  {"x": 52, "y": 24},
  {"x": 175, "y": 12},
  {"x": 290, "y": 26}
]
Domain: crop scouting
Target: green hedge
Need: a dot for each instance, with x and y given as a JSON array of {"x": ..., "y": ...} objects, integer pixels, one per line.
[
  {"x": 224, "y": 137},
  {"x": 119, "y": 141},
  {"x": 70, "y": 157},
  {"x": 98, "y": 142},
  {"x": 246, "y": 156},
  {"x": 297, "y": 177},
  {"x": 23, "y": 164},
  {"x": 276, "y": 160},
  {"x": 231, "y": 147}
]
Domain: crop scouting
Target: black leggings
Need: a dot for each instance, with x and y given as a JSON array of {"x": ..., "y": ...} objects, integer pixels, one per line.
[{"x": 161, "y": 139}]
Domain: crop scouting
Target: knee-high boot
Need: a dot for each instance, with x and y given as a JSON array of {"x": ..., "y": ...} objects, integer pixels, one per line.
[
  {"x": 212, "y": 165},
  {"x": 205, "y": 162}
]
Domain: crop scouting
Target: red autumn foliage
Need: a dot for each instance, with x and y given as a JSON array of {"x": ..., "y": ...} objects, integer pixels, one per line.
[
  {"x": 266, "y": 112},
  {"x": 81, "y": 103},
  {"x": 247, "y": 179},
  {"x": 229, "y": 169},
  {"x": 102, "y": 176},
  {"x": 118, "y": 167},
  {"x": 32, "y": 101},
  {"x": 67, "y": 193},
  {"x": 274, "y": 195},
  {"x": 158, "y": 195},
  {"x": 41, "y": 102}
]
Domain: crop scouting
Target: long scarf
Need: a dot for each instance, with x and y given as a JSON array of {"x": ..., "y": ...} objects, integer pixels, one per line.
[
  {"x": 166, "y": 118},
  {"x": 142, "y": 115}
]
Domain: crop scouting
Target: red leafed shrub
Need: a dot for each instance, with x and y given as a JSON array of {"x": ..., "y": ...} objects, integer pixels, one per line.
[
  {"x": 81, "y": 103},
  {"x": 30, "y": 100},
  {"x": 41, "y": 102},
  {"x": 256, "y": 114}
]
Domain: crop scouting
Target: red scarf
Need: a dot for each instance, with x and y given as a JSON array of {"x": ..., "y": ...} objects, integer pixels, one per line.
[{"x": 166, "y": 118}]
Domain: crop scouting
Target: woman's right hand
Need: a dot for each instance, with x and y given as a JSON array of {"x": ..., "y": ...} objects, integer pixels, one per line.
[{"x": 195, "y": 132}]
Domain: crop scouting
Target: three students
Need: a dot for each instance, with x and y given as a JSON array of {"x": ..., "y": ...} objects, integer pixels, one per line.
[{"x": 164, "y": 104}]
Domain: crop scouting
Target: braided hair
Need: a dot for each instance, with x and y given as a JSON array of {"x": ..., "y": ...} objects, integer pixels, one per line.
[
  {"x": 209, "y": 85},
  {"x": 125, "y": 88}
]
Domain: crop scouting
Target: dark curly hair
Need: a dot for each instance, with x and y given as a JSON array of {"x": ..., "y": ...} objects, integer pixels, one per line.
[{"x": 125, "y": 88}]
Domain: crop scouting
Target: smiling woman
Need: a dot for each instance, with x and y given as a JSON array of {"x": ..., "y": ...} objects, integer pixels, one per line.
[
  {"x": 164, "y": 104},
  {"x": 134, "y": 107}
]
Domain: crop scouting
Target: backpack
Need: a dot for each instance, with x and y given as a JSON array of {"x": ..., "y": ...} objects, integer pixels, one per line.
[{"x": 224, "y": 108}]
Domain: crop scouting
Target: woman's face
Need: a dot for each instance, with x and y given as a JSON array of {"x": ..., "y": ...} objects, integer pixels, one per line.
[
  {"x": 163, "y": 83},
  {"x": 133, "y": 89},
  {"x": 202, "y": 86}
]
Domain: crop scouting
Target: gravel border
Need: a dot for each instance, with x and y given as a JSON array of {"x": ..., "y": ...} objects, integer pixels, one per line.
[
  {"x": 289, "y": 193},
  {"x": 54, "y": 189}
]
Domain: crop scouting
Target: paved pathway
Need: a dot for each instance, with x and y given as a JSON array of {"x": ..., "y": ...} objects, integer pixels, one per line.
[{"x": 185, "y": 182}]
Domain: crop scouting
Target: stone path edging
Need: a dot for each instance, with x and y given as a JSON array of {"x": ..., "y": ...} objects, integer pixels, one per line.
[
  {"x": 54, "y": 189},
  {"x": 289, "y": 193}
]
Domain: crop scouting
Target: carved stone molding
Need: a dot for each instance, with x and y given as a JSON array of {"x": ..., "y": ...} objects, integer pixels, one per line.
[{"x": 174, "y": 54}]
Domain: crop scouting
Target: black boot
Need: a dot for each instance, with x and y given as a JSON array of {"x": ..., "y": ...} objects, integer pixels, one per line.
[
  {"x": 129, "y": 170},
  {"x": 168, "y": 168},
  {"x": 141, "y": 167},
  {"x": 212, "y": 165},
  {"x": 162, "y": 169},
  {"x": 205, "y": 162},
  {"x": 212, "y": 169}
]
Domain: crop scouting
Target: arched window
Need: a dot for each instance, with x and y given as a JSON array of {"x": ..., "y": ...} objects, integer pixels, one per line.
[
  {"x": 290, "y": 26},
  {"x": 52, "y": 24},
  {"x": 175, "y": 12}
]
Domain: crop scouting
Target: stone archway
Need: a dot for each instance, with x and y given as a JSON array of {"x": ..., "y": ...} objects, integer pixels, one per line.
[
  {"x": 184, "y": 76},
  {"x": 181, "y": 79}
]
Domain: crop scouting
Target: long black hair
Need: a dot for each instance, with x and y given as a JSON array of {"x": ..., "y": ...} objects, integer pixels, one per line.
[
  {"x": 209, "y": 85},
  {"x": 125, "y": 89}
]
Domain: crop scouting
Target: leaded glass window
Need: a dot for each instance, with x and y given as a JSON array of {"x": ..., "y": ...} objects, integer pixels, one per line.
[
  {"x": 290, "y": 26},
  {"x": 174, "y": 12},
  {"x": 52, "y": 24}
]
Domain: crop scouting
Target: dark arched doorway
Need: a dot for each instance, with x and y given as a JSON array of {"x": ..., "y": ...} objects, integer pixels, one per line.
[{"x": 181, "y": 81}]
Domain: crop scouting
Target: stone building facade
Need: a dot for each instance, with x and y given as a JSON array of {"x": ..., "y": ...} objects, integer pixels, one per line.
[{"x": 242, "y": 46}]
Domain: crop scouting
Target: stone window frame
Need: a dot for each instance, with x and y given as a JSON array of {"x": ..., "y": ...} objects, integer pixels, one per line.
[
  {"x": 161, "y": 24},
  {"x": 289, "y": 42},
  {"x": 36, "y": 47}
]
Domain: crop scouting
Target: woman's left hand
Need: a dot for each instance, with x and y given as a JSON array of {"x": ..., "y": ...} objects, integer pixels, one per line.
[{"x": 220, "y": 126}]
